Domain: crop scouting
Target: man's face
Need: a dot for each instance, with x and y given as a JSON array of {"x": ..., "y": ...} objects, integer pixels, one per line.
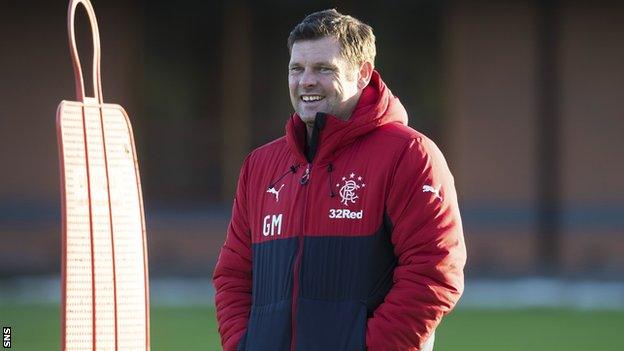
[{"x": 320, "y": 79}]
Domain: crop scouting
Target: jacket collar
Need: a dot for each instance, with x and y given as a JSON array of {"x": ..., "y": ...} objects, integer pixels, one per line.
[{"x": 376, "y": 107}]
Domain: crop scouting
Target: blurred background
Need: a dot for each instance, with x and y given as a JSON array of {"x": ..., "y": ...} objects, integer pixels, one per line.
[{"x": 524, "y": 98}]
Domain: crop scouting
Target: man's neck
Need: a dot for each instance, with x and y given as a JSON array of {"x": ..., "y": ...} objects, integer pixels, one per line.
[{"x": 309, "y": 129}]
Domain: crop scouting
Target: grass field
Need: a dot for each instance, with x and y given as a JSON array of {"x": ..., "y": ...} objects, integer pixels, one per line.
[{"x": 36, "y": 328}]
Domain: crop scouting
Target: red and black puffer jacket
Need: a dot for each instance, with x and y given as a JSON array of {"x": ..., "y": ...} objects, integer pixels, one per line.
[{"x": 360, "y": 248}]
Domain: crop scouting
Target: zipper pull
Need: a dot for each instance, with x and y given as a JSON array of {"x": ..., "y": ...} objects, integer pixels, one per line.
[{"x": 306, "y": 176}]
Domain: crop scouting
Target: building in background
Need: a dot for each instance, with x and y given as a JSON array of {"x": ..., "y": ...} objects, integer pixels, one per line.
[{"x": 526, "y": 99}]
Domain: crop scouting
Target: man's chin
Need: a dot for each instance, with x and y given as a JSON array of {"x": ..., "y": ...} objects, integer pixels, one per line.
[{"x": 307, "y": 118}]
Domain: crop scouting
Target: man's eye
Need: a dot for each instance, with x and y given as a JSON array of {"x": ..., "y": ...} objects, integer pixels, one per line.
[
  {"x": 326, "y": 70},
  {"x": 295, "y": 69}
]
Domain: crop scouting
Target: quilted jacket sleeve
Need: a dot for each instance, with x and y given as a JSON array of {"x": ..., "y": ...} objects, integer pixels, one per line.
[
  {"x": 232, "y": 275},
  {"x": 429, "y": 244}
]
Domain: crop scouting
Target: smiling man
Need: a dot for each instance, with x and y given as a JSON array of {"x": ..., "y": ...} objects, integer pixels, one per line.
[
  {"x": 321, "y": 79},
  {"x": 345, "y": 233}
]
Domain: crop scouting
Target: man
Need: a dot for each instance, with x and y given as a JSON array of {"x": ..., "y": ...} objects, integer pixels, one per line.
[{"x": 345, "y": 233}]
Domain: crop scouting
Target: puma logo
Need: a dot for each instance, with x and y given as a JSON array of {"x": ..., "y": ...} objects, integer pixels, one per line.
[
  {"x": 272, "y": 190},
  {"x": 430, "y": 189}
]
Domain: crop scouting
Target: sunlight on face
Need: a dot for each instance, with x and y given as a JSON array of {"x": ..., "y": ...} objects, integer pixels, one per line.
[{"x": 320, "y": 79}]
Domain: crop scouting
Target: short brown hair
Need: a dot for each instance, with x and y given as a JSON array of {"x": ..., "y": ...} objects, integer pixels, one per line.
[{"x": 355, "y": 37}]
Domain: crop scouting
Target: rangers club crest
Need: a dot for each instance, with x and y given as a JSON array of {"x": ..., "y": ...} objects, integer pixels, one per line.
[{"x": 349, "y": 188}]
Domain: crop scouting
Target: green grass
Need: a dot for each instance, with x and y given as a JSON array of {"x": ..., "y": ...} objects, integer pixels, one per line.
[
  {"x": 533, "y": 329},
  {"x": 194, "y": 328},
  {"x": 37, "y": 328}
]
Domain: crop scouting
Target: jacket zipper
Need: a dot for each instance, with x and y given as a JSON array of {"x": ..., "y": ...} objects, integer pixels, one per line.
[{"x": 297, "y": 266}]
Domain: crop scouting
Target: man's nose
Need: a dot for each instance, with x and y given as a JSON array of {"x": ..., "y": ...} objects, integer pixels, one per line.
[{"x": 308, "y": 79}]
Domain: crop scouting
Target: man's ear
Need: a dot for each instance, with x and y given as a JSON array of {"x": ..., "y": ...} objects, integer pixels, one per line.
[{"x": 364, "y": 75}]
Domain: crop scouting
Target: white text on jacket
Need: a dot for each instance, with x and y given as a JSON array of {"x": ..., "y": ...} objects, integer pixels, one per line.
[
  {"x": 271, "y": 223},
  {"x": 344, "y": 213}
]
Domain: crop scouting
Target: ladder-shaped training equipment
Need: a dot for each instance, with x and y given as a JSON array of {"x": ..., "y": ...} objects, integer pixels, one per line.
[{"x": 105, "y": 291}]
